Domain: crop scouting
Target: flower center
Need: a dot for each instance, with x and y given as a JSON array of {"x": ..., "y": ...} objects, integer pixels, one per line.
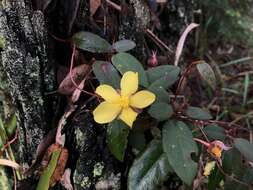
[
  {"x": 216, "y": 150},
  {"x": 124, "y": 101}
]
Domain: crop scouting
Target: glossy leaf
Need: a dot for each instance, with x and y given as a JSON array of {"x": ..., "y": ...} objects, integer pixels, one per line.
[
  {"x": 207, "y": 73},
  {"x": 150, "y": 169},
  {"x": 161, "y": 111},
  {"x": 179, "y": 145},
  {"x": 156, "y": 73},
  {"x": 245, "y": 148},
  {"x": 125, "y": 62},
  {"x": 91, "y": 42},
  {"x": 106, "y": 73},
  {"x": 123, "y": 45},
  {"x": 197, "y": 113},
  {"x": 116, "y": 137},
  {"x": 214, "y": 132}
]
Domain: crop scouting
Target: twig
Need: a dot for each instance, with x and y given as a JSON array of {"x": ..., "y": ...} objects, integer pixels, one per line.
[
  {"x": 157, "y": 40},
  {"x": 184, "y": 75},
  {"x": 114, "y": 5}
]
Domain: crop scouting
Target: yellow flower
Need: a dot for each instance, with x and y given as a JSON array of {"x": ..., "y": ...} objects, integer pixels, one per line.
[
  {"x": 208, "y": 168},
  {"x": 121, "y": 105}
]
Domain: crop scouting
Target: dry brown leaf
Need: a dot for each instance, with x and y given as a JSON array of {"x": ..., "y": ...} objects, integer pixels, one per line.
[
  {"x": 181, "y": 41},
  {"x": 67, "y": 87},
  {"x": 61, "y": 163},
  {"x": 59, "y": 170},
  {"x": 9, "y": 163},
  {"x": 94, "y": 5},
  {"x": 59, "y": 138}
]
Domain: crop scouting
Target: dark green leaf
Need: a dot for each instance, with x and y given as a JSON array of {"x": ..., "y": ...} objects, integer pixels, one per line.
[
  {"x": 125, "y": 62},
  {"x": 162, "y": 71},
  {"x": 161, "y": 111},
  {"x": 137, "y": 140},
  {"x": 161, "y": 94},
  {"x": 178, "y": 145},
  {"x": 197, "y": 113},
  {"x": 246, "y": 177},
  {"x": 106, "y": 73},
  {"x": 207, "y": 74},
  {"x": 91, "y": 42},
  {"x": 150, "y": 169},
  {"x": 245, "y": 148},
  {"x": 164, "y": 82},
  {"x": 232, "y": 162},
  {"x": 123, "y": 45},
  {"x": 214, "y": 132},
  {"x": 116, "y": 137}
]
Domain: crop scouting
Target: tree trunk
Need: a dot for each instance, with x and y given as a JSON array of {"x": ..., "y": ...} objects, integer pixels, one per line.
[{"x": 29, "y": 60}]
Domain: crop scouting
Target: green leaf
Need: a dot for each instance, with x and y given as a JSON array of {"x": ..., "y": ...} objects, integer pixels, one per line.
[
  {"x": 162, "y": 71},
  {"x": 178, "y": 145},
  {"x": 106, "y": 73},
  {"x": 207, "y": 73},
  {"x": 125, "y": 62},
  {"x": 163, "y": 82},
  {"x": 48, "y": 172},
  {"x": 197, "y": 113},
  {"x": 161, "y": 111},
  {"x": 123, "y": 45},
  {"x": 91, "y": 42},
  {"x": 246, "y": 177},
  {"x": 161, "y": 94},
  {"x": 232, "y": 162},
  {"x": 214, "y": 132},
  {"x": 116, "y": 137},
  {"x": 11, "y": 126},
  {"x": 150, "y": 169},
  {"x": 245, "y": 148},
  {"x": 4, "y": 180}
]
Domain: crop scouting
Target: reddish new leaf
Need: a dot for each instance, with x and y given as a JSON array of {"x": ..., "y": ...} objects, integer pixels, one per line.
[
  {"x": 67, "y": 86},
  {"x": 76, "y": 94}
]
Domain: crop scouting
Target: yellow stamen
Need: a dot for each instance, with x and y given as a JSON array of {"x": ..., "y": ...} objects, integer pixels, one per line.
[{"x": 124, "y": 101}]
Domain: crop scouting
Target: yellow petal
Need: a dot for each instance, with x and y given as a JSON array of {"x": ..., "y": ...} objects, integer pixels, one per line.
[
  {"x": 129, "y": 83},
  {"x": 106, "y": 112},
  {"x": 128, "y": 116},
  {"x": 142, "y": 99},
  {"x": 108, "y": 93}
]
